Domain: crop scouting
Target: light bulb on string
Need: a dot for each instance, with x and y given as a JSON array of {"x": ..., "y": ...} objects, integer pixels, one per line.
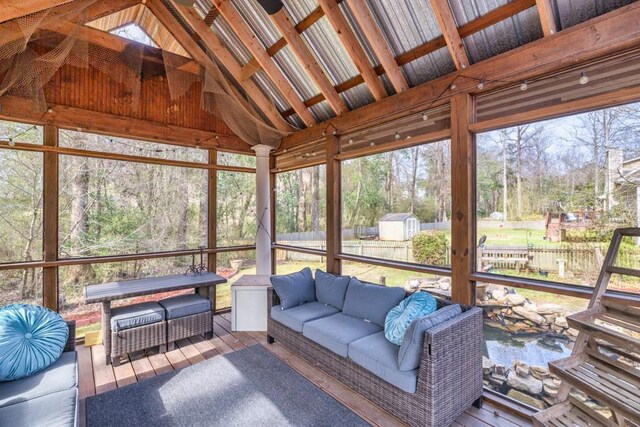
[
  {"x": 350, "y": 141},
  {"x": 425, "y": 116},
  {"x": 12, "y": 142},
  {"x": 481, "y": 84},
  {"x": 584, "y": 79},
  {"x": 524, "y": 86},
  {"x": 453, "y": 86},
  {"x": 397, "y": 136}
]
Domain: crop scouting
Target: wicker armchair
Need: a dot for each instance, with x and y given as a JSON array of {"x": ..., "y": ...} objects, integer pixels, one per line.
[{"x": 449, "y": 378}]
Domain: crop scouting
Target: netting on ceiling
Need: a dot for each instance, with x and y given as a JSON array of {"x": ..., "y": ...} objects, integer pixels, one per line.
[{"x": 34, "y": 47}]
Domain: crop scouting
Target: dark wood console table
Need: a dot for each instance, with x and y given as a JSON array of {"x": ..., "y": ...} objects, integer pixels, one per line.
[{"x": 205, "y": 284}]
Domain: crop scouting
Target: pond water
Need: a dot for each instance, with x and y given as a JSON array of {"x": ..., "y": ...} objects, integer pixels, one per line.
[{"x": 504, "y": 348}]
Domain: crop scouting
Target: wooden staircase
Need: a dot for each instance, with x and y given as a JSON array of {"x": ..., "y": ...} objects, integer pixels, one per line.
[{"x": 605, "y": 358}]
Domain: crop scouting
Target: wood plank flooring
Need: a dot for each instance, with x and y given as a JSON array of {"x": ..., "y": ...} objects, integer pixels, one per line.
[{"x": 96, "y": 377}]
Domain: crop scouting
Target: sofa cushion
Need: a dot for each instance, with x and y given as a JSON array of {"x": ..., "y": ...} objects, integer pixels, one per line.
[
  {"x": 331, "y": 289},
  {"x": 185, "y": 305},
  {"x": 296, "y": 317},
  {"x": 55, "y": 409},
  {"x": 413, "y": 342},
  {"x": 295, "y": 288},
  {"x": 131, "y": 316},
  {"x": 371, "y": 302},
  {"x": 336, "y": 332},
  {"x": 400, "y": 317},
  {"x": 60, "y": 375},
  {"x": 380, "y": 357},
  {"x": 32, "y": 337}
]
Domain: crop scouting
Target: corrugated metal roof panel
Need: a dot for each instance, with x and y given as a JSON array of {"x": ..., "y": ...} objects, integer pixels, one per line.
[
  {"x": 466, "y": 11},
  {"x": 405, "y": 23},
  {"x": 346, "y": 10},
  {"x": 258, "y": 20},
  {"x": 357, "y": 96},
  {"x": 572, "y": 12},
  {"x": 203, "y": 7},
  {"x": 231, "y": 40},
  {"x": 295, "y": 73},
  {"x": 267, "y": 86},
  {"x": 322, "y": 111},
  {"x": 429, "y": 67},
  {"x": 516, "y": 31},
  {"x": 300, "y": 9}
]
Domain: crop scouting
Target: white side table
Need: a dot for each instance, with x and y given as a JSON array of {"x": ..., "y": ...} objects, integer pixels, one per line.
[{"x": 249, "y": 303}]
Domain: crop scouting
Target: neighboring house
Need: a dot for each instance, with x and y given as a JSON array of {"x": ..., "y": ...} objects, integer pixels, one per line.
[
  {"x": 398, "y": 226},
  {"x": 622, "y": 183}
]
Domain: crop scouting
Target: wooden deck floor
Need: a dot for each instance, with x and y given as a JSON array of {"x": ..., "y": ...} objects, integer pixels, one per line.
[{"x": 96, "y": 377}]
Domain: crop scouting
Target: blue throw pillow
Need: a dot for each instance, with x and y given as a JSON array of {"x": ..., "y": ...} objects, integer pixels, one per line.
[
  {"x": 31, "y": 338},
  {"x": 400, "y": 317},
  {"x": 413, "y": 341},
  {"x": 331, "y": 289},
  {"x": 295, "y": 289},
  {"x": 371, "y": 302}
]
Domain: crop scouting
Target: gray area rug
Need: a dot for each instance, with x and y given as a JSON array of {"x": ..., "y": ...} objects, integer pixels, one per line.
[{"x": 249, "y": 387}]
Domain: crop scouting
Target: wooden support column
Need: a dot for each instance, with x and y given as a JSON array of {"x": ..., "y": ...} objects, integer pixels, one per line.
[
  {"x": 212, "y": 196},
  {"x": 50, "y": 219},
  {"x": 547, "y": 20},
  {"x": 334, "y": 205},
  {"x": 462, "y": 199}
]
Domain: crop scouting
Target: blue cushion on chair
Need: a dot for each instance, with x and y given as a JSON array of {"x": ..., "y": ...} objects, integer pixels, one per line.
[
  {"x": 295, "y": 289},
  {"x": 31, "y": 338},
  {"x": 400, "y": 317}
]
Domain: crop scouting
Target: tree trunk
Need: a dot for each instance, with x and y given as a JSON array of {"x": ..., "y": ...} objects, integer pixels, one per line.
[
  {"x": 414, "y": 177},
  {"x": 183, "y": 213},
  {"x": 315, "y": 198},
  {"x": 519, "y": 171},
  {"x": 504, "y": 182}
]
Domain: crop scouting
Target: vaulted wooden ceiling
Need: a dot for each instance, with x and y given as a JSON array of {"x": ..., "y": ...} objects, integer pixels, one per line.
[{"x": 314, "y": 60}]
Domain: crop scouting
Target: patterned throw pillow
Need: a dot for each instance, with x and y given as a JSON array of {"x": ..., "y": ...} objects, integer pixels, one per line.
[
  {"x": 400, "y": 317},
  {"x": 31, "y": 338}
]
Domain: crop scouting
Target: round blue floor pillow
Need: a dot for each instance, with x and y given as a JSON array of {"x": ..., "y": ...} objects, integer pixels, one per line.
[
  {"x": 400, "y": 317},
  {"x": 31, "y": 338}
]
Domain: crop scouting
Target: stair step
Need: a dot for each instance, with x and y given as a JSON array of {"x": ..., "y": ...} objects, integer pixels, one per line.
[
  {"x": 603, "y": 323},
  {"x": 571, "y": 413},
  {"x": 610, "y": 384}
]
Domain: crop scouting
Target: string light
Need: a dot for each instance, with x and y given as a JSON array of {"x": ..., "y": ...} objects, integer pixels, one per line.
[
  {"x": 397, "y": 136},
  {"x": 350, "y": 141},
  {"x": 481, "y": 84},
  {"x": 584, "y": 79},
  {"x": 425, "y": 116},
  {"x": 453, "y": 86},
  {"x": 324, "y": 133},
  {"x": 524, "y": 86},
  {"x": 12, "y": 142},
  {"x": 372, "y": 144}
]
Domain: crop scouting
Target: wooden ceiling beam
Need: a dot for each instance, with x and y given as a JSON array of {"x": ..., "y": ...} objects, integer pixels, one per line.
[
  {"x": 472, "y": 27},
  {"x": 447, "y": 22},
  {"x": 308, "y": 61},
  {"x": 215, "y": 46},
  {"x": 547, "y": 19},
  {"x": 354, "y": 49},
  {"x": 244, "y": 32},
  {"x": 12, "y": 9},
  {"x": 369, "y": 26},
  {"x": 605, "y": 35},
  {"x": 122, "y": 126}
]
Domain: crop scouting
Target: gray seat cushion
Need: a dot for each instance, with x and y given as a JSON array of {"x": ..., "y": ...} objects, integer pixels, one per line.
[
  {"x": 60, "y": 375},
  {"x": 338, "y": 331},
  {"x": 134, "y": 315},
  {"x": 371, "y": 302},
  {"x": 295, "y": 288},
  {"x": 380, "y": 357},
  {"x": 185, "y": 305},
  {"x": 296, "y": 317},
  {"x": 413, "y": 341},
  {"x": 55, "y": 409},
  {"x": 331, "y": 289}
]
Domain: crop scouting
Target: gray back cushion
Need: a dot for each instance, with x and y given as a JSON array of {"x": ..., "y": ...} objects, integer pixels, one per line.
[
  {"x": 294, "y": 289},
  {"x": 413, "y": 342},
  {"x": 371, "y": 302},
  {"x": 331, "y": 289}
]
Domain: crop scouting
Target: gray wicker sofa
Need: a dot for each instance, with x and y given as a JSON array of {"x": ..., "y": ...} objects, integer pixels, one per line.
[
  {"x": 46, "y": 398},
  {"x": 448, "y": 380}
]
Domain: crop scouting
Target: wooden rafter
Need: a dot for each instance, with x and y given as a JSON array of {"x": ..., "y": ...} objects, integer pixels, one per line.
[
  {"x": 472, "y": 27},
  {"x": 366, "y": 21},
  {"x": 352, "y": 45},
  {"x": 547, "y": 20},
  {"x": 215, "y": 46},
  {"x": 12, "y": 9},
  {"x": 607, "y": 34},
  {"x": 308, "y": 61},
  {"x": 447, "y": 22},
  {"x": 244, "y": 32}
]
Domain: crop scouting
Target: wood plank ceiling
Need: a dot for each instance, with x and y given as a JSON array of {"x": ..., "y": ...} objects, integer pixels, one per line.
[{"x": 317, "y": 59}]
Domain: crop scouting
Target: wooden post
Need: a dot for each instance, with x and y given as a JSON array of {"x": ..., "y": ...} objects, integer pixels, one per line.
[
  {"x": 274, "y": 213},
  {"x": 334, "y": 205},
  {"x": 463, "y": 194},
  {"x": 212, "y": 228},
  {"x": 50, "y": 219}
]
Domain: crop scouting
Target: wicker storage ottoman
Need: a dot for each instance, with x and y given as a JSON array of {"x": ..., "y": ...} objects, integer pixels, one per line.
[
  {"x": 187, "y": 316},
  {"x": 137, "y": 327}
]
